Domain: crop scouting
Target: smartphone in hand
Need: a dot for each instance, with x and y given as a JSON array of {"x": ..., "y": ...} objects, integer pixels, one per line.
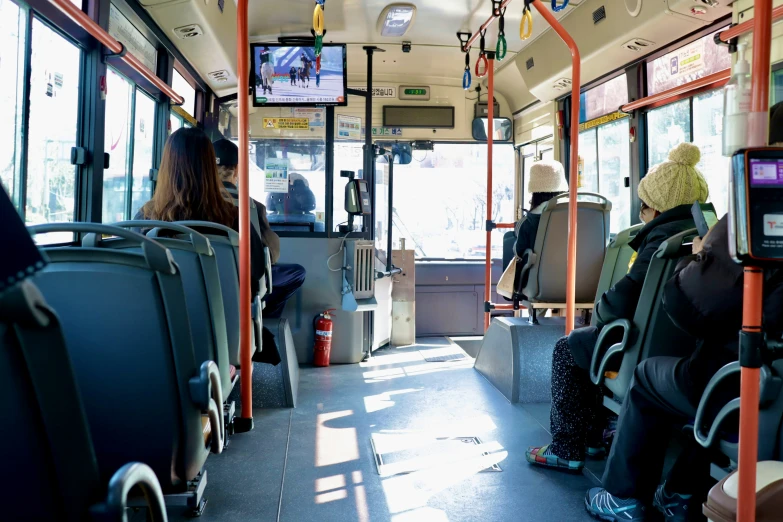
[{"x": 704, "y": 216}]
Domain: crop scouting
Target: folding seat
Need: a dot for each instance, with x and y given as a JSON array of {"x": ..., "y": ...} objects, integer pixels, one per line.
[
  {"x": 124, "y": 319},
  {"x": 48, "y": 456},
  {"x": 623, "y": 344},
  {"x": 547, "y": 261}
]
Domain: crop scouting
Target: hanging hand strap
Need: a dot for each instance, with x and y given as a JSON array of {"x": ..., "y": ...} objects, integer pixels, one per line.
[
  {"x": 502, "y": 47},
  {"x": 557, "y": 8},
  {"x": 526, "y": 25},
  {"x": 482, "y": 59}
]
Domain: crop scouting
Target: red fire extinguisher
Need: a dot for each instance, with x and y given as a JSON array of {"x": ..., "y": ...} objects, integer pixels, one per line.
[{"x": 323, "y": 338}]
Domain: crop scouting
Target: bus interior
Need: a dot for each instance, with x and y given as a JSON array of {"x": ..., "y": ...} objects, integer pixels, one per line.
[{"x": 392, "y": 146}]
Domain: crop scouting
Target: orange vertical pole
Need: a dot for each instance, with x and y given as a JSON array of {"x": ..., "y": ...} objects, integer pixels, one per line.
[
  {"x": 243, "y": 75},
  {"x": 490, "y": 141},
  {"x": 574, "y": 160},
  {"x": 753, "y": 288}
]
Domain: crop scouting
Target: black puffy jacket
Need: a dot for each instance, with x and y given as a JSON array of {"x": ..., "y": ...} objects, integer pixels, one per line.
[
  {"x": 619, "y": 302},
  {"x": 704, "y": 299}
]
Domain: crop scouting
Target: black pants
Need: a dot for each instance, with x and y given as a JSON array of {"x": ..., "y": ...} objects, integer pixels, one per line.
[
  {"x": 577, "y": 417},
  {"x": 657, "y": 401},
  {"x": 286, "y": 279}
]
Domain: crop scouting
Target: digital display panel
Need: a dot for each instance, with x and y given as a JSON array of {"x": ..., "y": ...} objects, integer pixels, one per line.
[
  {"x": 766, "y": 173},
  {"x": 286, "y": 76}
]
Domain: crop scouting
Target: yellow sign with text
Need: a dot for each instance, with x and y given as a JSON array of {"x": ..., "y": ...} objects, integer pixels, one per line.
[{"x": 287, "y": 123}]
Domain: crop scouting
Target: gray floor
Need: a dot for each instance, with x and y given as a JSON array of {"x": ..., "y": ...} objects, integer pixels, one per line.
[{"x": 316, "y": 462}]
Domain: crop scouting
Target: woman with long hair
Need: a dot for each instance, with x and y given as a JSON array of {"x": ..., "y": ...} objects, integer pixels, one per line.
[{"x": 189, "y": 189}]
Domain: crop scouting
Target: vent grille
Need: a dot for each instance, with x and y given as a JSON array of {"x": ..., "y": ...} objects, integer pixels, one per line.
[
  {"x": 364, "y": 270},
  {"x": 188, "y": 31},
  {"x": 599, "y": 14},
  {"x": 218, "y": 76},
  {"x": 529, "y": 64}
]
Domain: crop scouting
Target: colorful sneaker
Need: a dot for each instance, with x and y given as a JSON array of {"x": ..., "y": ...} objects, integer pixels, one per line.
[
  {"x": 543, "y": 456},
  {"x": 604, "y": 506},
  {"x": 674, "y": 507}
]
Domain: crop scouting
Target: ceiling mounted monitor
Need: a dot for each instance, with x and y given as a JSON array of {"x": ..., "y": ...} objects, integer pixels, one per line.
[{"x": 396, "y": 19}]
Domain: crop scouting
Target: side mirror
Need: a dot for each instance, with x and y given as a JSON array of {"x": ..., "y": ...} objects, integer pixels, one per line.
[
  {"x": 503, "y": 129},
  {"x": 402, "y": 152}
]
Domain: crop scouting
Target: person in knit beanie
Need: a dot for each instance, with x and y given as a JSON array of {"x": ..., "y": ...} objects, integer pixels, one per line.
[
  {"x": 577, "y": 418},
  {"x": 547, "y": 180},
  {"x": 673, "y": 183}
]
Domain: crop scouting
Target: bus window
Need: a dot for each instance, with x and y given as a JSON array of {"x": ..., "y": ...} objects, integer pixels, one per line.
[
  {"x": 667, "y": 127},
  {"x": 117, "y": 143},
  {"x": 143, "y": 141},
  {"x": 707, "y": 132},
  {"x": 12, "y": 28},
  {"x": 614, "y": 166},
  {"x": 440, "y": 200},
  {"x": 184, "y": 89},
  {"x": 175, "y": 122},
  {"x": 54, "y": 106},
  {"x": 588, "y": 156},
  {"x": 302, "y": 207},
  {"x": 348, "y": 156}
]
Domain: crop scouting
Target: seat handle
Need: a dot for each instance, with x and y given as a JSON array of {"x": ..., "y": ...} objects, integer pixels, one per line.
[
  {"x": 206, "y": 391},
  {"x": 233, "y": 235},
  {"x": 131, "y": 475},
  {"x": 604, "y": 201},
  {"x": 199, "y": 241},
  {"x": 157, "y": 256},
  {"x": 602, "y": 357},
  {"x": 709, "y": 438}
]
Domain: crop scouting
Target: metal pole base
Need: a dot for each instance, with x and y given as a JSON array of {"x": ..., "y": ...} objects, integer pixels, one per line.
[{"x": 243, "y": 424}]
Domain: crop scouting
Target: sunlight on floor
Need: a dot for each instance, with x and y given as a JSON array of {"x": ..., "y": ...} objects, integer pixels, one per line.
[
  {"x": 425, "y": 514},
  {"x": 334, "y": 445},
  {"x": 373, "y": 403},
  {"x": 416, "y": 369},
  {"x": 392, "y": 358}
]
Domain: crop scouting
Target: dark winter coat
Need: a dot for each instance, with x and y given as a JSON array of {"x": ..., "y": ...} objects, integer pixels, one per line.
[
  {"x": 526, "y": 238},
  {"x": 619, "y": 302},
  {"x": 704, "y": 299}
]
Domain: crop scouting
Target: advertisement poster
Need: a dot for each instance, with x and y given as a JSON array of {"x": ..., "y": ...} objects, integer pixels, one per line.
[
  {"x": 349, "y": 127},
  {"x": 316, "y": 117},
  {"x": 276, "y": 179},
  {"x": 686, "y": 64},
  {"x": 287, "y": 123}
]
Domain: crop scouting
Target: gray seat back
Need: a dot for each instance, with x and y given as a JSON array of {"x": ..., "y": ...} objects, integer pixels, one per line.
[
  {"x": 225, "y": 243},
  {"x": 652, "y": 332},
  {"x": 131, "y": 348},
  {"x": 616, "y": 262},
  {"x": 547, "y": 277},
  {"x": 198, "y": 266},
  {"x": 234, "y": 193}
]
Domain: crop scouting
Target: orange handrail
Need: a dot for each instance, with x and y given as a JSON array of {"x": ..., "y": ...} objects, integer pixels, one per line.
[
  {"x": 753, "y": 288},
  {"x": 505, "y": 225},
  {"x": 574, "y": 162},
  {"x": 676, "y": 91},
  {"x": 483, "y": 27},
  {"x": 490, "y": 143},
  {"x": 97, "y": 32},
  {"x": 243, "y": 75},
  {"x": 746, "y": 27}
]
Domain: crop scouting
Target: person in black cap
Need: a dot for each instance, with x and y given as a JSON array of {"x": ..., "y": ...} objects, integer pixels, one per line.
[{"x": 286, "y": 278}]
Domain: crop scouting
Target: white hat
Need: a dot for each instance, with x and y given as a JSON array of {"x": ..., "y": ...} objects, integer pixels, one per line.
[{"x": 547, "y": 176}]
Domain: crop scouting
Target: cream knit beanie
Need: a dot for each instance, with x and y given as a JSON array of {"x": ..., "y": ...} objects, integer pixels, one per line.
[
  {"x": 547, "y": 176},
  {"x": 675, "y": 182}
]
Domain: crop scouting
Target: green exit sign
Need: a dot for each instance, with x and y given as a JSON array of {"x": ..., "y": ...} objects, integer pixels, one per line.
[{"x": 414, "y": 92}]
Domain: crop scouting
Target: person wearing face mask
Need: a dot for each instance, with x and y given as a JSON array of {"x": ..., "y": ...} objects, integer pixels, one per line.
[{"x": 577, "y": 420}]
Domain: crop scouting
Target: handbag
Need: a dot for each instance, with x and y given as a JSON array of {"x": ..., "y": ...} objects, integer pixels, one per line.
[{"x": 505, "y": 286}]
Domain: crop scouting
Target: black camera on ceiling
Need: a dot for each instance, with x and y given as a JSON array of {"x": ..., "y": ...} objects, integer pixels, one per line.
[{"x": 406, "y": 47}]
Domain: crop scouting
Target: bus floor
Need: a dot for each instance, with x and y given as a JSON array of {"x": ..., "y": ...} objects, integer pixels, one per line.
[{"x": 437, "y": 425}]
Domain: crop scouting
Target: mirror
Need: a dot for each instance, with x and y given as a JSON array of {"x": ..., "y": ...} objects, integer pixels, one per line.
[
  {"x": 402, "y": 152},
  {"x": 503, "y": 129}
]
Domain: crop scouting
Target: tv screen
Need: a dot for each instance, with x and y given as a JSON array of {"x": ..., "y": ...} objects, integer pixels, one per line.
[{"x": 285, "y": 76}]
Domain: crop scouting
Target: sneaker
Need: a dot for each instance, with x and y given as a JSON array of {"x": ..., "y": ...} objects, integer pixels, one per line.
[
  {"x": 543, "y": 456},
  {"x": 674, "y": 507},
  {"x": 595, "y": 452},
  {"x": 604, "y": 506}
]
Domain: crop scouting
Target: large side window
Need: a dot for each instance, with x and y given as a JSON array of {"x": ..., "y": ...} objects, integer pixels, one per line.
[
  {"x": 54, "y": 118},
  {"x": 707, "y": 134},
  {"x": 12, "y": 37},
  {"x": 184, "y": 89},
  {"x": 440, "y": 200},
  {"x": 667, "y": 127},
  {"x": 117, "y": 143}
]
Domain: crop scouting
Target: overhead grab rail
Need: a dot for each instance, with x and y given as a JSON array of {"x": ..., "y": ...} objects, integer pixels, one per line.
[
  {"x": 495, "y": 15},
  {"x": 717, "y": 79},
  {"x": 97, "y": 32},
  {"x": 746, "y": 27}
]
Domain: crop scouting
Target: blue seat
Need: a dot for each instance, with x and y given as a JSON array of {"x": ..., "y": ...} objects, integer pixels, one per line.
[
  {"x": 143, "y": 389},
  {"x": 47, "y": 452}
]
